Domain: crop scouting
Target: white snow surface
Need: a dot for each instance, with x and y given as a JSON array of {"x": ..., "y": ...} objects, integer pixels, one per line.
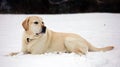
[{"x": 100, "y": 29}]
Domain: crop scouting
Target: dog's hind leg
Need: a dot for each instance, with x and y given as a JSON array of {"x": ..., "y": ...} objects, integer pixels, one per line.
[{"x": 75, "y": 45}]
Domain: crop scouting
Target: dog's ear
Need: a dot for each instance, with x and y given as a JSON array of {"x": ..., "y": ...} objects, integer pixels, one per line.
[{"x": 25, "y": 24}]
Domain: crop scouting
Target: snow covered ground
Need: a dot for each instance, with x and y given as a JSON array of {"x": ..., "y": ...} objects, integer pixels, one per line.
[{"x": 100, "y": 29}]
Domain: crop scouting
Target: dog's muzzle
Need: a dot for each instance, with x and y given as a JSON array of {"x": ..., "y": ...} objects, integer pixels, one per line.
[{"x": 43, "y": 30}]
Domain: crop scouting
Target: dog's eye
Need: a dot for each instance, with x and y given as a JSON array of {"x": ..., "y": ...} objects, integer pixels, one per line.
[{"x": 35, "y": 22}]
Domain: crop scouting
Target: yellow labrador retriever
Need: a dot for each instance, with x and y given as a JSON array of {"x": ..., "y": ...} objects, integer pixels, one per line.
[{"x": 38, "y": 39}]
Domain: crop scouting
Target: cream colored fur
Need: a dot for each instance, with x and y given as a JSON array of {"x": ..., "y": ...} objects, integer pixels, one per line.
[{"x": 51, "y": 41}]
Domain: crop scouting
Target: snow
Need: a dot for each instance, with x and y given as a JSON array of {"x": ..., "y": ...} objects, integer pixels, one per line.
[{"x": 100, "y": 29}]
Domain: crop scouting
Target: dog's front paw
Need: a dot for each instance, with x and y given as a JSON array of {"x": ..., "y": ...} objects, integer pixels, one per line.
[{"x": 12, "y": 54}]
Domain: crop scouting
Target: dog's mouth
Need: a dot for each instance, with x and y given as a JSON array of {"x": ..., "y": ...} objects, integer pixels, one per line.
[{"x": 37, "y": 33}]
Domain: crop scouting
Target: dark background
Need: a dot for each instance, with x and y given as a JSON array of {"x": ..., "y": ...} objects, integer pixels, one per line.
[{"x": 58, "y": 6}]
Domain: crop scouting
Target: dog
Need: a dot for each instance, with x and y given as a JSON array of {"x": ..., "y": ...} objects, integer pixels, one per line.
[{"x": 38, "y": 39}]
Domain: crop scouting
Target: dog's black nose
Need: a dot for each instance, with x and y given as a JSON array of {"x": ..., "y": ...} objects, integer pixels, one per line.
[{"x": 43, "y": 29}]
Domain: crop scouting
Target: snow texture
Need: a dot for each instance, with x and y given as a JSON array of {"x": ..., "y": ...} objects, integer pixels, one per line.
[{"x": 100, "y": 29}]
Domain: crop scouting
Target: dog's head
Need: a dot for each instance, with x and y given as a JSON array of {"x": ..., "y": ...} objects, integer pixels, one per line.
[{"x": 34, "y": 24}]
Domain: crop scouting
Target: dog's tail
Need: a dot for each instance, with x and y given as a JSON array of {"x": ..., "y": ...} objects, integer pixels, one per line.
[{"x": 92, "y": 48}]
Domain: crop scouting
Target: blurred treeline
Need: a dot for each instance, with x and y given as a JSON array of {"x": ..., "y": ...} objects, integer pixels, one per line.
[{"x": 58, "y": 6}]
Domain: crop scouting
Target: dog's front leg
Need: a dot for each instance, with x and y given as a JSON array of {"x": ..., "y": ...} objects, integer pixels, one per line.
[
  {"x": 13, "y": 53},
  {"x": 18, "y": 53}
]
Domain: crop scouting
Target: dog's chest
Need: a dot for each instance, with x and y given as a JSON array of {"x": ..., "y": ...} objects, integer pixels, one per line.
[{"x": 36, "y": 46}]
